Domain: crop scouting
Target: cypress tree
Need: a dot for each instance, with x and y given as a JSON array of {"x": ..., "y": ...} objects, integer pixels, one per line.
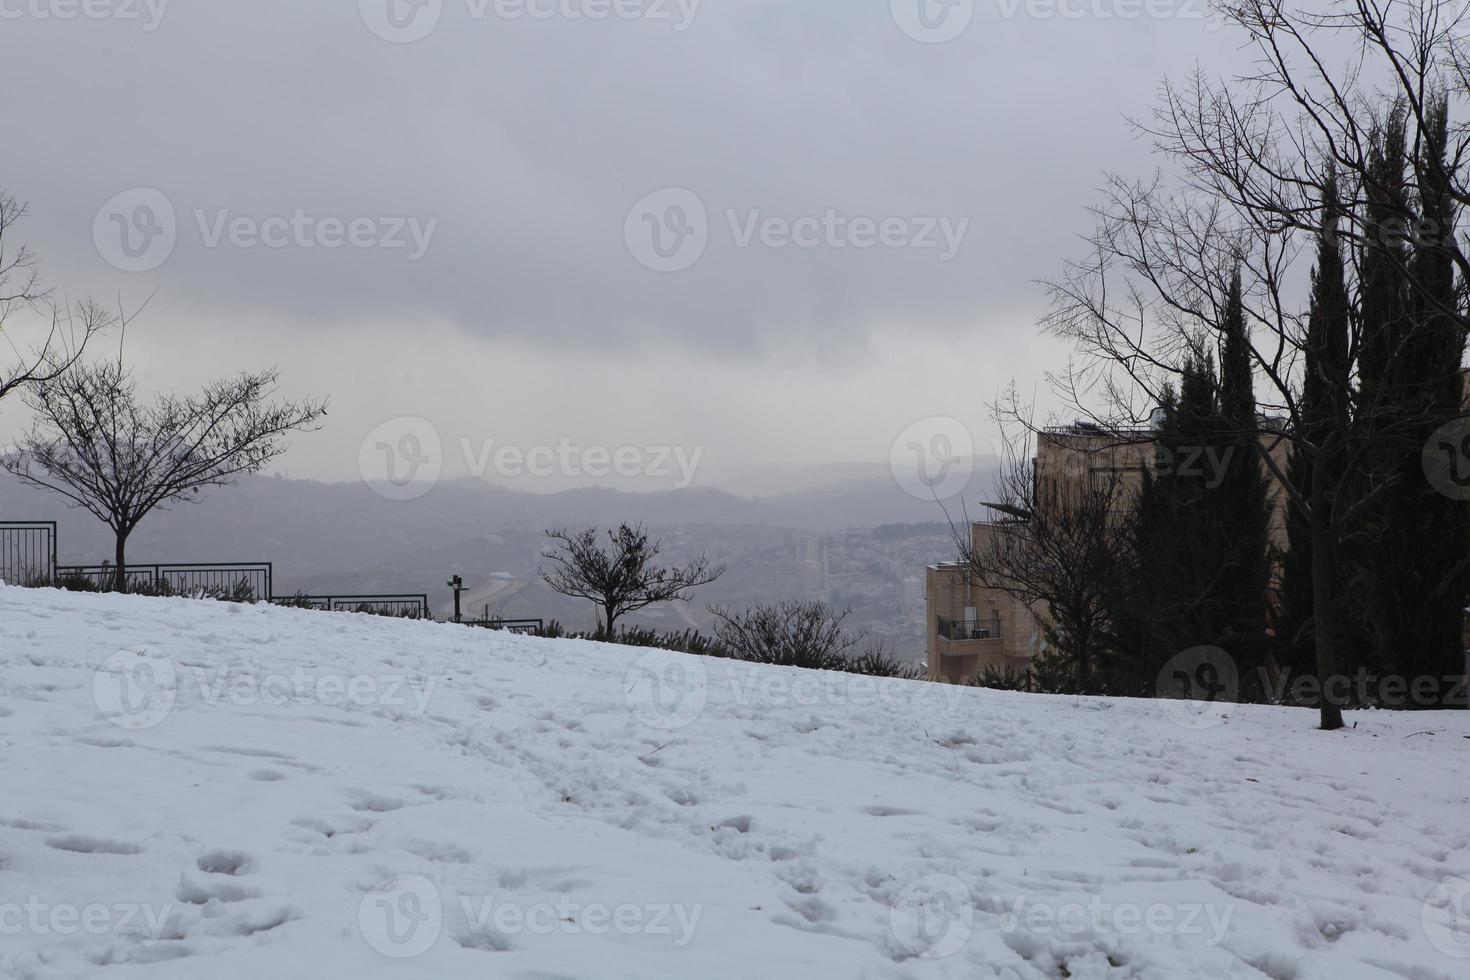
[
  {"x": 1422, "y": 535},
  {"x": 1238, "y": 509},
  {"x": 1180, "y": 594},
  {"x": 1325, "y": 372},
  {"x": 1384, "y": 260},
  {"x": 1374, "y": 564}
]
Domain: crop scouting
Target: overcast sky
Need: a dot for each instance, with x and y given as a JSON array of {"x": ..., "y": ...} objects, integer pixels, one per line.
[{"x": 773, "y": 231}]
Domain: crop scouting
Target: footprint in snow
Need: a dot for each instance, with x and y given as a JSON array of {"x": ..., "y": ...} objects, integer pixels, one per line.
[
  {"x": 193, "y": 892},
  {"x": 365, "y": 802},
  {"x": 15, "y": 823},
  {"x": 222, "y": 862},
  {"x": 83, "y": 844}
]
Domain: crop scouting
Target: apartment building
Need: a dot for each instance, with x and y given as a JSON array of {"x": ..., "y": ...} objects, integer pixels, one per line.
[{"x": 971, "y": 627}]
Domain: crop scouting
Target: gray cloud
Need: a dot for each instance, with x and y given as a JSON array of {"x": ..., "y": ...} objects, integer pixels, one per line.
[{"x": 528, "y": 141}]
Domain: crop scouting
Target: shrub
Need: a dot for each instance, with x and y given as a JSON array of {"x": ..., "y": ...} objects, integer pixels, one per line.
[
  {"x": 1002, "y": 679},
  {"x": 879, "y": 662},
  {"x": 240, "y": 591},
  {"x": 1048, "y": 673},
  {"x": 787, "y": 634},
  {"x": 75, "y": 582},
  {"x": 804, "y": 634}
]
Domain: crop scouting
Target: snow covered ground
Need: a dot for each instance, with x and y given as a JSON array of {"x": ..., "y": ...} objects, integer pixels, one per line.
[{"x": 192, "y": 789}]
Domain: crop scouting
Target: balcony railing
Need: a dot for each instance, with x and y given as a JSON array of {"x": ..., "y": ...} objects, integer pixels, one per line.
[{"x": 970, "y": 629}]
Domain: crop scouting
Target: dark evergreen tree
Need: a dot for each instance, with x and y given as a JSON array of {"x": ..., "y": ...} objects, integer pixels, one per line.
[
  {"x": 1180, "y": 598},
  {"x": 1419, "y": 537},
  {"x": 1368, "y": 565},
  {"x": 1237, "y": 506},
  {"x": 1325, "y": 371},
  {"x": 1384, "y": 259}
]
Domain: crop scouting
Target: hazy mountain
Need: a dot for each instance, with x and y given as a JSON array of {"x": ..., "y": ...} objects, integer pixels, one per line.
[{"x": 341, "y": 537}]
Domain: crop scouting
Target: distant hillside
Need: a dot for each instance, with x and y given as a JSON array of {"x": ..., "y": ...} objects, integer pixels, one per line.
[{"x": 343, "y": 537}]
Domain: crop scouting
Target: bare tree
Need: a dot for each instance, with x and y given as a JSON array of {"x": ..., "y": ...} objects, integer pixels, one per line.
[
  {"x": 1257, "y": 161},
  {"x": 95, "y": 443},
  {"x": 1060, "y": 549},
  {"x": 622, "y": 578},
  {"x": 63, "y": 332}
]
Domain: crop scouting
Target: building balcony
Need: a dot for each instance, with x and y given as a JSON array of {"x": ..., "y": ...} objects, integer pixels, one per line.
[{"x": 964, "y": 630}]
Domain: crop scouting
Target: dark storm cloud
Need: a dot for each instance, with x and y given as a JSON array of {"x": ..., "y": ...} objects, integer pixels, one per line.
[{"x": 848, "y": 174}]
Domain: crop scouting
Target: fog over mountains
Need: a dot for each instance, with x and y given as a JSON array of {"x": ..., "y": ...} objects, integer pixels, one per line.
[{"x": 344, "y": 538}]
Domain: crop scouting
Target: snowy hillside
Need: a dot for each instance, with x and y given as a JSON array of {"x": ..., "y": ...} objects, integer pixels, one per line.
[{"x": 247, "y": 792}]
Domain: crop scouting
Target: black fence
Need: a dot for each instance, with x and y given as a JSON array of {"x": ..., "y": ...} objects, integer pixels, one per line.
[
  {"x": 27, "y": 551},
  {"x": 399, "y": 606},
  {"x": 28, "y": 557},
  {"x": 246, "y": 581},
  {"x": 509, "y": 625}
]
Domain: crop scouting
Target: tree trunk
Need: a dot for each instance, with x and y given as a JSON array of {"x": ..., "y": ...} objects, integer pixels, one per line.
[
  {"x": 1084, "y": 641},
  {"x": 1324, "y": 627},
  {"x": 120, "y": 569}
]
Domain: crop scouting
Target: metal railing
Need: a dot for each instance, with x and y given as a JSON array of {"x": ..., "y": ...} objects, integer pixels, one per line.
[
  {"x": 970, "y": 629},
  {"x": 398, "y": 606},
  {"x": 243, "y": 580},
  {"x": 509, "y": 625},
  {"x": 28, "y": 557},
  {"x": 27, "y": 551}
]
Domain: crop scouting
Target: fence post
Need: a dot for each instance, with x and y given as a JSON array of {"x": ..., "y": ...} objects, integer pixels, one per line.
[{"x": 457, "y": 584}]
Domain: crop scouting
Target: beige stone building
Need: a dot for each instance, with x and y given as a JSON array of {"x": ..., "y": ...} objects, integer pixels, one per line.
[{"x": 971, "y": 627}]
